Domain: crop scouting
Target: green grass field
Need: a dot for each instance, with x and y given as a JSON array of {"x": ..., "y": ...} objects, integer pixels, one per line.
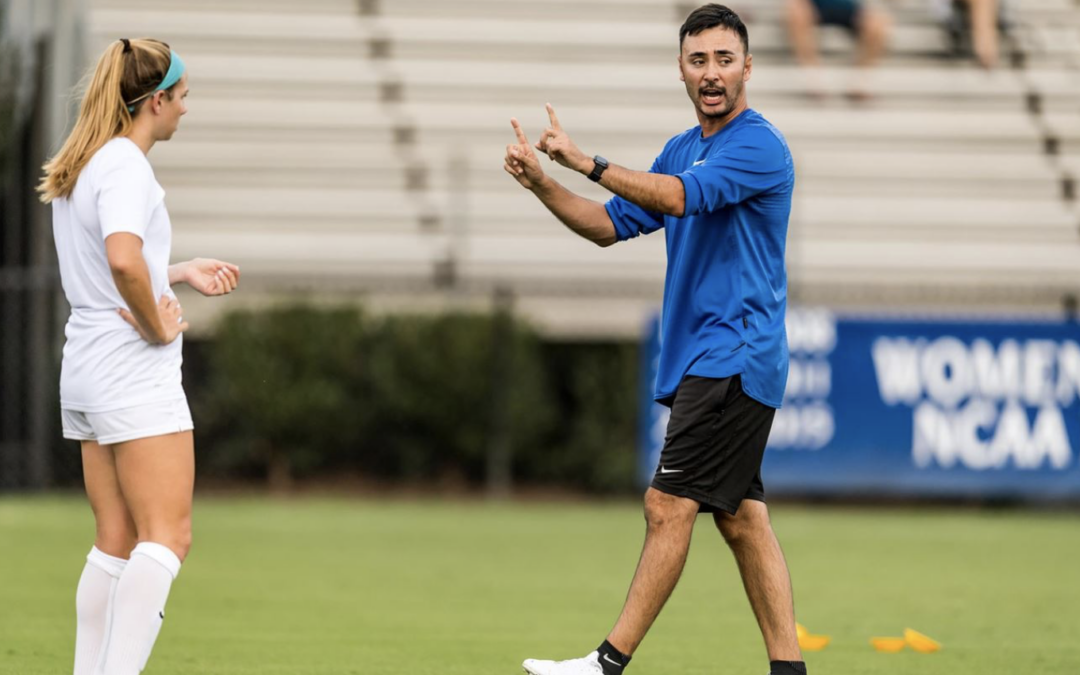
[{"x": 312, "y": 586}]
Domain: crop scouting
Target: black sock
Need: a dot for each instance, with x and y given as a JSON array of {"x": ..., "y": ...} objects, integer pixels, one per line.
[
  {"x": 612, "y": 660},
  {"x": 787, "y": 668}
]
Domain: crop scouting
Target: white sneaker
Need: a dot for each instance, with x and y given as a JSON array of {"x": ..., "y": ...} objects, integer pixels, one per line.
[{"x": 590, "y": 665}]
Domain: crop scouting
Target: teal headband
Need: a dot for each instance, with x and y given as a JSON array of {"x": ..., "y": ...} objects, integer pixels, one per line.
[{"x": 172, "y": 76}]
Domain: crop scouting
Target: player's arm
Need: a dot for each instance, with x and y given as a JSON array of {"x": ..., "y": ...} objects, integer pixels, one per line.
[
  {"x": 158, "y": 323},
  {"x": 585, "y": 217},
  {"x": 654, "y": 192},
  {"x": 206, "y": 275}
]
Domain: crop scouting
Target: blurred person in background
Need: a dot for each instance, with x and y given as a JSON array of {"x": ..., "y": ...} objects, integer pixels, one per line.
[
  {"x": 722, "y": 193},
  {"x": 120, "y": 386},
  {"x": 972, "y": 27},
  {"x": 869, "y": 25}
]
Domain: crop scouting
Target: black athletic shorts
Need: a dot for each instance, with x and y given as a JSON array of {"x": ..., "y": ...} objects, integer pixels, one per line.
[
  {"x": 843, "y": 13},
  {"x": 714, "y": 445}
]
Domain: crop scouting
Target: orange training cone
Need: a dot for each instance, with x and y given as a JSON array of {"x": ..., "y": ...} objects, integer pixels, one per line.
[
  {"x": 810, "y": 642},
  {"x": 921, "y": 643},
  {"x": 889, "y": 645}
]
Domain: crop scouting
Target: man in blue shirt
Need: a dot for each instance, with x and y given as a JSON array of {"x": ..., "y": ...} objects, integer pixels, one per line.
[{"x": 722, "y": 194}]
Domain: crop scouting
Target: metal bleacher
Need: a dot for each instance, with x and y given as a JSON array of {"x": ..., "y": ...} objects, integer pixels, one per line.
[{"x": 354, "y": 148}]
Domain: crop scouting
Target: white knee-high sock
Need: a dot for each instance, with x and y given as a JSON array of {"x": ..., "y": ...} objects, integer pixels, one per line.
[
  {"x": 139, "y": 608},
  {"x": 93, "y": 605}
]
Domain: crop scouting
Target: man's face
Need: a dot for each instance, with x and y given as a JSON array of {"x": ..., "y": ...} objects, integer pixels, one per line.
[{"x": 714, "y": 67}]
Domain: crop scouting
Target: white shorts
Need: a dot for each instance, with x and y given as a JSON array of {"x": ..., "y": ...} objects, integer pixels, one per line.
[{"x": 128, "y": 424}]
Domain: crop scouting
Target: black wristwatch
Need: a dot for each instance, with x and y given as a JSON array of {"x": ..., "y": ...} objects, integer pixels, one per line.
[{"x": 600, "y": 165}]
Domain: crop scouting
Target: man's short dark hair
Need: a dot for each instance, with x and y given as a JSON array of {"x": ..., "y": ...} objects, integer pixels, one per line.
[{"x": 710, "y": 16}]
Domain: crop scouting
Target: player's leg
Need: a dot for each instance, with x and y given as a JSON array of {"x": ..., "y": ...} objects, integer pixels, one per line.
[
  {"x": 669, "y": 525},
  {"x": 802, "y": 21},
  {"x": 116, "y": 537},
  {"x": 765, "y": 576},
  {"x": 872, "y": 26},
  {"x": 695, "y": 450},
  {"x": 746, "y": 427},
  {"x": 984, "y": 32},
  {"x": 157, "y": 478}
]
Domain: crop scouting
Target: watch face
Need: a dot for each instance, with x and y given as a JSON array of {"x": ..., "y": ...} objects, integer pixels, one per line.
[{"x": 599, "y": 165}]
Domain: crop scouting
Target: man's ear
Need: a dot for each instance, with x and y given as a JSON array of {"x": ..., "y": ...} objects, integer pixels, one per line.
[
  {"x": 748, "y": 69},
  {"x": 678, "y": 60}
]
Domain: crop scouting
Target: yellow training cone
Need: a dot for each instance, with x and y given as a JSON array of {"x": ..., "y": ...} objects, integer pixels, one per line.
[
  {"x": 921, "y": 643},
  {"x": 810, "y": 642},
  {"x": 814, "y": 643},
  {"x": 888, "y": 644}
]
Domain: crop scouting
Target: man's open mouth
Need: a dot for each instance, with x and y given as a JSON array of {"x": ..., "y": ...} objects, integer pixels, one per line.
[{"x": 712, "y": 96}]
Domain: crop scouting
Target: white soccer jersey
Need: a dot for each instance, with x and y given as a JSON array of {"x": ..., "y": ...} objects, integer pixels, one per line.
[{"x": 107, "y": 365}]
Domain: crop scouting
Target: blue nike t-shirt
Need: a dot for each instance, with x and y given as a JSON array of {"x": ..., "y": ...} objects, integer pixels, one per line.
[{"x": 725, "y": 293}]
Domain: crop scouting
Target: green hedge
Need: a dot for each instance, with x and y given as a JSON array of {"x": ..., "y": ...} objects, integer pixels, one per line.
[{"x": 302, "y": 391}]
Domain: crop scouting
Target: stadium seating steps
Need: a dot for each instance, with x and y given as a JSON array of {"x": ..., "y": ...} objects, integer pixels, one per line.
[{"x": 344, "y": 146}]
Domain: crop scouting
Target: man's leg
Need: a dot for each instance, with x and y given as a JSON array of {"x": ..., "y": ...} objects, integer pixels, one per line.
[
  {"x": 670, "y": 524},
  {"x": 765, "y": 576}
]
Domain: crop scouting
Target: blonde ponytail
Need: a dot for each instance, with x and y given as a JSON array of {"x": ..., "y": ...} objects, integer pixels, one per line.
[{"x": 123, "y": 74}]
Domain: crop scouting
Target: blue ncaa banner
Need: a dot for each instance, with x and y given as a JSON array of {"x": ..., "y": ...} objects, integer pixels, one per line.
[{"x": 926, "y": 408}]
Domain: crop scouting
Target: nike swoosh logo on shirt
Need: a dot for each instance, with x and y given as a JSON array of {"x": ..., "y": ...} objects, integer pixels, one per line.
[{"x": 699, "y": 162}]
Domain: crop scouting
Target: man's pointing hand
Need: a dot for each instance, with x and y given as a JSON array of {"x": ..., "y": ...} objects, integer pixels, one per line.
[
  {"x": 521, "y": 161},
  {"x": 558, "y": 146}
]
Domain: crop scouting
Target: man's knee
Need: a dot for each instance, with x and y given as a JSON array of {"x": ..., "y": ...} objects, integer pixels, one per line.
[
  {"x": 749, "y": 522},
  {"x": 663, "y": 510}
]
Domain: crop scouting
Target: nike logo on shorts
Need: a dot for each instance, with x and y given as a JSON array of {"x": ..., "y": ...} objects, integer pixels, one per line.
[{"x": 663, "y": 470}]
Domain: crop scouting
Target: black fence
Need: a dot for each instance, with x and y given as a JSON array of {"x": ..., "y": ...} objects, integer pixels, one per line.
[{"x": 30, "y": 303}]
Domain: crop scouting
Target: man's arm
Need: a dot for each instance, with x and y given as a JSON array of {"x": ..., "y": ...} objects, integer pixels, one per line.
[
  {"x": 583, "y": 216},
  {"x": 654, "y": 192}
]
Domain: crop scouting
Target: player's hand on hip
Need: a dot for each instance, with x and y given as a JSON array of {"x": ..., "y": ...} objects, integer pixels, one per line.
[
  {"x": 172, "y": 321},
  {"x": 212, "y": 277},
  {"x": 556, "y": 143},
  {"x": 521, "y": 161}
]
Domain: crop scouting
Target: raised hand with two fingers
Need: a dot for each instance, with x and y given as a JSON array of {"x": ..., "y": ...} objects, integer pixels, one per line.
[
  {"x": 556, "y": 143},
  {"x": 521, "y": 161}
]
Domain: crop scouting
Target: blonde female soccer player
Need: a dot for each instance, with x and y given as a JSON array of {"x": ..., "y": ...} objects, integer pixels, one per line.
[{"x": 120, "y": 388}]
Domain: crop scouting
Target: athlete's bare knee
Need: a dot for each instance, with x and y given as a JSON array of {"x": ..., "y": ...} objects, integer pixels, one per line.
[
  {"x": 748, "y": 524},
  {"x": 175, "y": 536},
  {"x": 116, "y": 542},
  {"x": 874, "y": 27},
  {"x": 182, "y": 545},
  {"x": 115, "y": 535},
  {"x": 663, "y": 511}
]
